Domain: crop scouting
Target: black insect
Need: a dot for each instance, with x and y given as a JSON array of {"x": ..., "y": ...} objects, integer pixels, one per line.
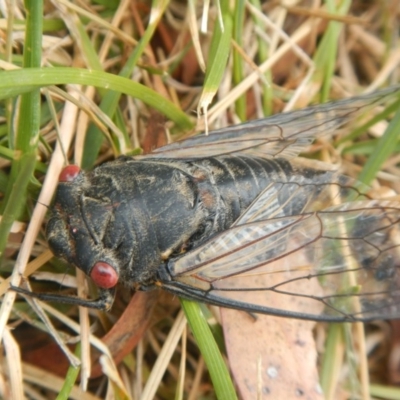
[{"x": 210, "y": 217}]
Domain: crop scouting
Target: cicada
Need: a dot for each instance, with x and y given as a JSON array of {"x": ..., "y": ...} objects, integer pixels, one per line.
[{"x": 207, "y": 217}]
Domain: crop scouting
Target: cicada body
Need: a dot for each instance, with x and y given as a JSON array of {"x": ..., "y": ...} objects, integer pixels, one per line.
[
  {"x": 211, "y": 217},
  {"x": 136, "y": 214}
]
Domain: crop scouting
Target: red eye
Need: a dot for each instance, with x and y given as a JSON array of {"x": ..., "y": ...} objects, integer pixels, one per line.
[
  {"x": 69, "y": 173},
  {"x": 104, "y": 275}
]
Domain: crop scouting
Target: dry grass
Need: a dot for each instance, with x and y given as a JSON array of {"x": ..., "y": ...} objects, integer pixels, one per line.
[{"x": 283, "y": 56}]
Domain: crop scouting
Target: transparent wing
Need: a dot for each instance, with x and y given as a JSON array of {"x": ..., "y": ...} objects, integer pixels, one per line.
[
  {"x": 282, "y": 135},
  {"x": 301, "y": 193},
  {"x": 341, "y": 262}
]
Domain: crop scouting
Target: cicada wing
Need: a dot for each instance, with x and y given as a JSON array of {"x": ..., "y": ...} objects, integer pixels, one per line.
[
  {"x": 342, "y": 264},
  {"x": 301, "y": 193},
  {"x": 283, "y": 135}
]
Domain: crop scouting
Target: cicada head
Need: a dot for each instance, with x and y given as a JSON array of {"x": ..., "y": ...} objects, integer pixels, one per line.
[
  {"x": 72, "y": 234},
  {"x": 99, "y": 228}
]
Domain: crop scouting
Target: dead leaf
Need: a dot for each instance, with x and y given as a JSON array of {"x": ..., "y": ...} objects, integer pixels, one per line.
[
  {"x": 130, "y": 327},
  {"x": 272, "y": 357}
]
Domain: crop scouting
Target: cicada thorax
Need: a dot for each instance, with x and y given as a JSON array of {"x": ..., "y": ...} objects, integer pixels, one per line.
[{"x": 107, "y": 216}]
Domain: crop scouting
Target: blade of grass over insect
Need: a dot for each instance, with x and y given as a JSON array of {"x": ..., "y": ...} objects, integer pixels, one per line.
[
  {"x": 325, "y": 56},
  {"x": 217, "y": 57},
  {"x": 70, "y": 378},
  {"x": 27, "y": 135},
  {"x": 219, "y": 373},
  {"x": 263, "y": 53},
  {"x": 109, "y": 103},
  {"x": 238, "y": 23},
  {"x": 385, "y": 146}
]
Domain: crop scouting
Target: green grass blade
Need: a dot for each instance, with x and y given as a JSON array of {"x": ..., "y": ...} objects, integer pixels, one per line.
[
  {"x": 238, "y": 75},
  {"x": 390, "y": 109},
  {"x": 27, "y": 134},
  {"x": 217, "y": 57},
  {"x": 263, "y": 54},
  {"x": 41, "y": 77},
  {"x": 385, "y": 392},
  {"x": 70, "y": 379},
  {"x": 18, "y": 182},
  {"x": 385, "y": 146},
  {"x": 326, "y": 54},
  {"x": 330, "y": 362},
  {"x": 219, "y": 373}
]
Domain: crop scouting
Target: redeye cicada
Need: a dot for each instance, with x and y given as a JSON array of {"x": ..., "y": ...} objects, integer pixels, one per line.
[{"x": 203, "y": 217}]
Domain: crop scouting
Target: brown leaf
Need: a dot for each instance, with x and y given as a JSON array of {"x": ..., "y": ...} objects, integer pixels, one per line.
[
  {"x": 155, "y": 133},
  {"x": 38, "y": 349},
  {"x": 123, "y": 337},
  {"x": 271, "y": 357}
]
